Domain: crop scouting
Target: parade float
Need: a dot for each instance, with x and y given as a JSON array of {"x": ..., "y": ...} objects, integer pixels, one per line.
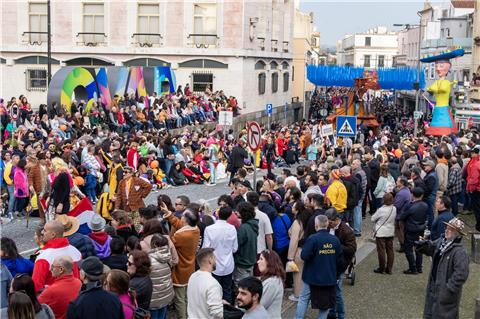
[{"x": 360, "y": 80}]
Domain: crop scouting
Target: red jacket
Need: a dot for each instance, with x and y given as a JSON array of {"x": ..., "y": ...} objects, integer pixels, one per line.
[
  {"x": 132, "y": 158},
  {"x": 473, "y": 175},
  {"x": 54, "y": 248},
  {"x": 64, "y": 290}
]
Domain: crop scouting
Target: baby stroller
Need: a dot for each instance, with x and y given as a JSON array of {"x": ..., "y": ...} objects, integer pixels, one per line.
[{"x": 350, "y": 272}]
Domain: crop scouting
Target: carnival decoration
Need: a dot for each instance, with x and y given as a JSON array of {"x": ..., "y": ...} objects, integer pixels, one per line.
[
  {"x": 442, "y": 118},
  {"x": 92, "y": 84}
]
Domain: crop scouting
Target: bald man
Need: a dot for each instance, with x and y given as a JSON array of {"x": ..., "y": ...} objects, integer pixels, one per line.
[
  {"x": 54, "y": 246},
  {"x": 65, "y": 288}
]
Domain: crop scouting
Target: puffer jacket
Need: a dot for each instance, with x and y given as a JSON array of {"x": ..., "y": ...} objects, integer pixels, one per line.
[{"x": 161, "y": 276}]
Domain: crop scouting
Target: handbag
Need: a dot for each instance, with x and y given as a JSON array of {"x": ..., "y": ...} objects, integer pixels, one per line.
[{"x": 376, "y": 231}]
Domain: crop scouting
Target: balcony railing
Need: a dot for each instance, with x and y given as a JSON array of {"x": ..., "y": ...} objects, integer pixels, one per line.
[
  {"x": 261, "y": 43},
  {"x": 200, "y": 40},
  {"x": 147, "y": 39},
  {"x": 440, "y": 43},
  {"x": 35, "y": 37},
  {"x": 91, "y": 39},
  {"x": 274, "y": 45}
]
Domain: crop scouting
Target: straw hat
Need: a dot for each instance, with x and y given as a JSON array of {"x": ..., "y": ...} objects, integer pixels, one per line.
[
  {"x": 70, "y": 224},
  {"x": 457, "y": 224}
]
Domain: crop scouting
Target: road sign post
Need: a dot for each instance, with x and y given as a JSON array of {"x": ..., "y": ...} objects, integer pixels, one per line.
[
  {"x": 269, "y": 110},
  {"x": 225, "y": 118},
  {"x": 254, "y": 137}
]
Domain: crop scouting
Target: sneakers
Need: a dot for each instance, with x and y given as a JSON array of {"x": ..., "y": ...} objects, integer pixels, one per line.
[
  {"x": 378, "y": 271},
  {"x": 410, "y": 272},
  {"x": 293, "y": 298},
  {"x": 211, "y": 184}
]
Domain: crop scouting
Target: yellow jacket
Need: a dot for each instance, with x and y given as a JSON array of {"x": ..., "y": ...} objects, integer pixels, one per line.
[
  {"x": 6, "y": 174},
  {"x": 336, "y": 195}
]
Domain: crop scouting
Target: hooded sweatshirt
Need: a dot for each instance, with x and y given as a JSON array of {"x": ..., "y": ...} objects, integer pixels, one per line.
[
  {"x": 101, "y": 242},
  {"x": 247, "y": 240}
]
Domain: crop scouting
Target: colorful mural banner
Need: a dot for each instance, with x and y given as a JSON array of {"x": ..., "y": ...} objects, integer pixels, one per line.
[{"x": 93, "y": 84}]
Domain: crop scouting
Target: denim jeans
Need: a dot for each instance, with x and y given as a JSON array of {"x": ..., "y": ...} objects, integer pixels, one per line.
[
  {"x": 160, "y": 313},
  {"x": 454, "y": 199},
  {"x": 303, "y": 301},
  {"x": 302, "y": 305},
  {"x": 339, "y": 306},
  {"x": 11, "y": 198},
  {"x": 213, "y": 173},
  {"x": 414, "y": 259},
  {"x": 227, "y": 284},
  {"x": 357, "y": 218}
]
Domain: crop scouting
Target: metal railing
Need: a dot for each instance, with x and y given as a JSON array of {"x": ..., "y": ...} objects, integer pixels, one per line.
[
  {"x": 201, "y": 40},
  {"x": 439, "y": 43},
  {"x": 147, "y": 39},
  {"x": 35, "y": 37},
  {"x": 91, "y": 39}
]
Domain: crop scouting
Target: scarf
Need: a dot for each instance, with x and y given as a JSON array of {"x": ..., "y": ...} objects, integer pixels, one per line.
[{"x": 444, "y": 246}]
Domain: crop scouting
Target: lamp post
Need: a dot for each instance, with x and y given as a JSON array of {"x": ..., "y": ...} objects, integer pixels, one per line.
[
  {"x": 308, "y": 54},
  {"x": 417, "y": 83},
  {"x": 49, "y": 45}
]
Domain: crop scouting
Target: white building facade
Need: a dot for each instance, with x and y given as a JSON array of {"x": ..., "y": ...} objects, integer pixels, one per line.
[
  {"x": 243, "y": 48},
  {"x": 372, "y": 49}
]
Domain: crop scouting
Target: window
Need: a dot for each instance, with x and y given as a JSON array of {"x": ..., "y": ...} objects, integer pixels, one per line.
[
  {"x": 284, "y": 65},
  {"x": 203, "y": 63},
  {"x": 148, "y": 23},
  {"x": 201, "y": 80},
  {"x": 368, "y": 41},
  {"x": 145, "y": 62},
  {"x": 293, "y": 73},
  {"x": 274, "y": 82},
  {"x": 286, "y": 76},
  {"x": 273, "y": 65},
  {"x": 260, "y": 65},
  {"x": 262, "y": 78},
  {"x": 93, "y": 23},
  {"x": 3, "y": 61},
  {"x": 35, "y": 59},
  {"x": 36, "y": 79},
  {"x": 37, "y": 19},
  {"x": 366, "y": 61},
  {"x": 381, "y": 61},
  {"x": 87, "y": 62},
  {"x": 205, "y": 24},
  {"x": 432, "y": 71}
]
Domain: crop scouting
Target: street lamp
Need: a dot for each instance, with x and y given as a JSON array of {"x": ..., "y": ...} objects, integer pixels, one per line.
[
  {"x": 417, "y": 83},
  {"x": 49, "y": 45},
  {"x": 308, "y": 54}
]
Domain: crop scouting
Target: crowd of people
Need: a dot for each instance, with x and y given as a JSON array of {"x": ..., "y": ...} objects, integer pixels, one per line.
[{"x": 129, "y": 260}]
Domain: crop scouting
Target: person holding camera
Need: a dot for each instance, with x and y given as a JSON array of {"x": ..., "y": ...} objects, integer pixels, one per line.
[{"x": 450, "y": 267}]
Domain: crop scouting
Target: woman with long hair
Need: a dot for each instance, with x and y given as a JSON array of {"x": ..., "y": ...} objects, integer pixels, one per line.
[
  {"x": 123, "y": 224},
  {"x": 20, "y": 182},
  {"x": 24, "y": 283},
  {"x": 139, "y": 268},
  {"x": 296, "y": 232},
  {"x": 117, "y": 281},
  {"x": 272, "y": 275},
  {"x": 154, "y": 227},
  {"x": 19, "y": 307},
  {"x": 15, "y": 263},
  {"x": 385, "y": 184}
]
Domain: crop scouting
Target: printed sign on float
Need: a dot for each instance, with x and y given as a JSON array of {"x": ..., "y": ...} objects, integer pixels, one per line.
[
  {"x": 327, "y": 130},
  {"x": 346, "y": 126}
]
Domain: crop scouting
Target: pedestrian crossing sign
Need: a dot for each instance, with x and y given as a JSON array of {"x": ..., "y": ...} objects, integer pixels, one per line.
[{"x": 346, "y": 126}]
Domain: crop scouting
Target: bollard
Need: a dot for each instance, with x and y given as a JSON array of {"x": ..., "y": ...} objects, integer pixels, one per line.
[{"x": 476, "y": 248}]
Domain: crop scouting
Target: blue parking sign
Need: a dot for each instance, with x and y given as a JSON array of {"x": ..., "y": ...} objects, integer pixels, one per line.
[
  {"x": 269, "y": 109},
  {"x": 346, "y": 126}
]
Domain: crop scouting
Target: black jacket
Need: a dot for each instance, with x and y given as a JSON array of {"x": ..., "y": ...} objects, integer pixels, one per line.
[
  {"x": 238, "y": 156},
  {"x": 415, "y": 215},
  {"x": 349, "y": 244},
  {"x": 431, "y": 184},
  {"x": 310, "y": 229},
  {"x": 143, "y": 286},
  {"x": 374, "y": 166},
  {"x": 116, "y": 262},
  {"x": 94, "y": 302},
  {"x": 353, "y": 191}
]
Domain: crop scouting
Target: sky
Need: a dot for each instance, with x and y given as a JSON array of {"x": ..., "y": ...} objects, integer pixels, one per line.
[{"x": 336, "y": 18}]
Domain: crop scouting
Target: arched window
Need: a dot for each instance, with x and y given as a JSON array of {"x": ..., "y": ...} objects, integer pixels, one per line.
[
  {"x": 87, "y": 62},
  {"x": 35, "y": 59},
  {"x": 286, "y": 78},
  {"x": 273, "y": 65},
  {"x": 260, "y": 65},
  {"x": 203, "y": 64},
  {"x": 284, "y": 65},
  {"x": 146, "y": 62},
  {"x": 262, "y": 78},
  {"x": 274, "y": 82}
]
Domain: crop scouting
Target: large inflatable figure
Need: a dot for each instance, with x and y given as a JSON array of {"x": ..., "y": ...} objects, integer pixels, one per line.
[{"x": 442, "y": 119}]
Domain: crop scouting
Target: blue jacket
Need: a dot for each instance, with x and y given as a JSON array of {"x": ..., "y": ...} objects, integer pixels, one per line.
[
  {"x": 18, "y": 265},
  {"x": 5, "y": 279},
  {"x": 438, "y": 227},
  {"x": 323, "y": 256},
  {"x": 281, "y": 224},
  {"x": 83, "y": 243}
]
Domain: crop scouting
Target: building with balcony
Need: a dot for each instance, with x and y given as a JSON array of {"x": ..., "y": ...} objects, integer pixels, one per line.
[
  {"x": 243, "y": 48},
  {"x": 372, "y": 49},
  {"x": 408, "y": 42},
  {"x": 306, "y": 48}
]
